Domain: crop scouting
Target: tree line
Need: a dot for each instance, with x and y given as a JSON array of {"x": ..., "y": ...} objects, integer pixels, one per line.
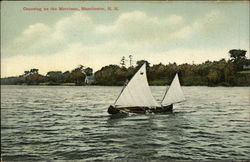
[
  {"x": 210, "y": 73},
  {"x": 32, "y": 77}
]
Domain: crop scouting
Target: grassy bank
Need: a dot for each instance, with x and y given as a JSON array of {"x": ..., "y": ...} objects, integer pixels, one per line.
[{"x": 56, "y": 84}]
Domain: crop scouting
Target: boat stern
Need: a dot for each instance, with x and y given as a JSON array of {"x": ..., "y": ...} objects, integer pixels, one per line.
[{"x": 113, "y": 110}]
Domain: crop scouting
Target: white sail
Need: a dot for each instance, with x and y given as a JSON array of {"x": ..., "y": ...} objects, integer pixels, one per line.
[
  {"x": 174, "y": 93},
  {"x": 137, "y": 92}
]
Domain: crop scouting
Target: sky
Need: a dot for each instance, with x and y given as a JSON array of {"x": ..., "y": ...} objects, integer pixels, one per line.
[{"x": 60, "y": 40}]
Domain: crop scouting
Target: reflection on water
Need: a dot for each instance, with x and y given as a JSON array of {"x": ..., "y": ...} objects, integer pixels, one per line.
[{"x": 66, "y": 123}]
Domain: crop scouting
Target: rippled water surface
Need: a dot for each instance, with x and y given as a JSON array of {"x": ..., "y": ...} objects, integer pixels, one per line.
[{"x": 65, "y": 123}]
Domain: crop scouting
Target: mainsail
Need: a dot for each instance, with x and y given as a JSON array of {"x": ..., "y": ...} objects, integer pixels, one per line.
[
  {"x": 137, "y": 92},
  {"x": 174, "y": 93}
]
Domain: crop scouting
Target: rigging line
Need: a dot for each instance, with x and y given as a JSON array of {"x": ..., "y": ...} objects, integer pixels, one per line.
[
  {"x": 165, "y": 94},
  {"x": 167, "y": 90},
  {"x": 124, "y": 86}
]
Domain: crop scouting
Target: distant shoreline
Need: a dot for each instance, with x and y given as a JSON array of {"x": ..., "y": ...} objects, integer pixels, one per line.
[
  {"x": 227, "y": 73},
  {"x": 95, "y": 85}
]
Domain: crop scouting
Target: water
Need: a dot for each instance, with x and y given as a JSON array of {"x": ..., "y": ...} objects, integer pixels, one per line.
[{"x": 66, "y": 123}]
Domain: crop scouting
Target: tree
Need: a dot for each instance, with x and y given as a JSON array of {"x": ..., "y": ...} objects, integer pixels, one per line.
[
  {"x": 130, "y": 60},
  {"x": 171, "y": 70},
  {"x": 141, "y": 62},
  {"x": 55, "y": 76},
  {"x": 229, "y": 71},
  {"x": 157, "y": 71},
  {"x": 122, "y": 62},
  {"x": 213, "y": 77},
  {"x": 66, "y": 77},
  {"x": 88, "y": 71},
  {"x": 212, "y": 73},
  {"x": 78, "y": 75},
  {"x": 35, "y": 78},
  {"x": 34, "y": 71},
  {"x": 26, "y": 72},
  {"x": 238, "y": 57},
  {"x": 111, "y": 75},
  {"x": 236, "y": 54},
  {"x": 130, "y": 72}
]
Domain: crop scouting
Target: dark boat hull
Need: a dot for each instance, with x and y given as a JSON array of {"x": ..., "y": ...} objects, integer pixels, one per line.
[{"x": 141, "y": 110}]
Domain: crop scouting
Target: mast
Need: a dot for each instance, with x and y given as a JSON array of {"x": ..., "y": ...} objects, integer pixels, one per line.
[
  {"x": 164, "y": 94},
  {"x": 125, "y": 84}
]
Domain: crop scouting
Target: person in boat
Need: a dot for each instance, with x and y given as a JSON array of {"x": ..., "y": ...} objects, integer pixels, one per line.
[{"x": 112, "y": 110}]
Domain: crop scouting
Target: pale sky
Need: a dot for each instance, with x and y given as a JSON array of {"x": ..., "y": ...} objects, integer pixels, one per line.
[{"x": 180, "y": 32}]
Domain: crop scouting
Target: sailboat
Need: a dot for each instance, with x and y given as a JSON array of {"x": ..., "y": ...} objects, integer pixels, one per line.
[{"x": 136, "y": 96}]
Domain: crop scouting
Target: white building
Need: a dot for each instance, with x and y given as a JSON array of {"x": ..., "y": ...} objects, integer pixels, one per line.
[
  {"x": 89, "y": 79},
  {"x": 246, "y": 67}
]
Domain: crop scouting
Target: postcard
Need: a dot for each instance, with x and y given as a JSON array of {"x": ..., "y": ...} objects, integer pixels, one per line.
[{"x": 125, "y": 80}]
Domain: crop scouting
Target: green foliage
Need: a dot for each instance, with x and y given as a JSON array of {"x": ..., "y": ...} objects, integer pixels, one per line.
[
  {"x": 13, "y": 80},
  {"x": 55, "y": 76},
  {"x": 35, "y": 78},
  {"x": 159, "y": 82},
  {"x": 216, "y": 73},
  {"x": 238, "y": 57},
  {"x": 244, "y": 72},
  {"x": 88, "y": 71},
  {"x": 77, "y": 75},
  {"x": 157, "y": 71},
  {"x": 140, "y": 63},
  {"x": 111, "y": 75},
  {"x": 236, "y": 54},
  {"x": 194, "y": 80}
]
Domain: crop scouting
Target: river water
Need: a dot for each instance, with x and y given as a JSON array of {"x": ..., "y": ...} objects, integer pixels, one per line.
[{"x": 72, "y": 123}]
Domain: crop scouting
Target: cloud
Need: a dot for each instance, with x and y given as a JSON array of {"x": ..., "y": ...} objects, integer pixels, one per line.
[
  {"x": 137, "y": 26},
  {"x": 41, "y": 39},
  {"x": 33, "y": 31},
  {"x": 76, "y": 27},
  {"x": 133, "y": 27},
  {"x": 77, "y": 39},
  {"x": 26, "y": 43}
]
